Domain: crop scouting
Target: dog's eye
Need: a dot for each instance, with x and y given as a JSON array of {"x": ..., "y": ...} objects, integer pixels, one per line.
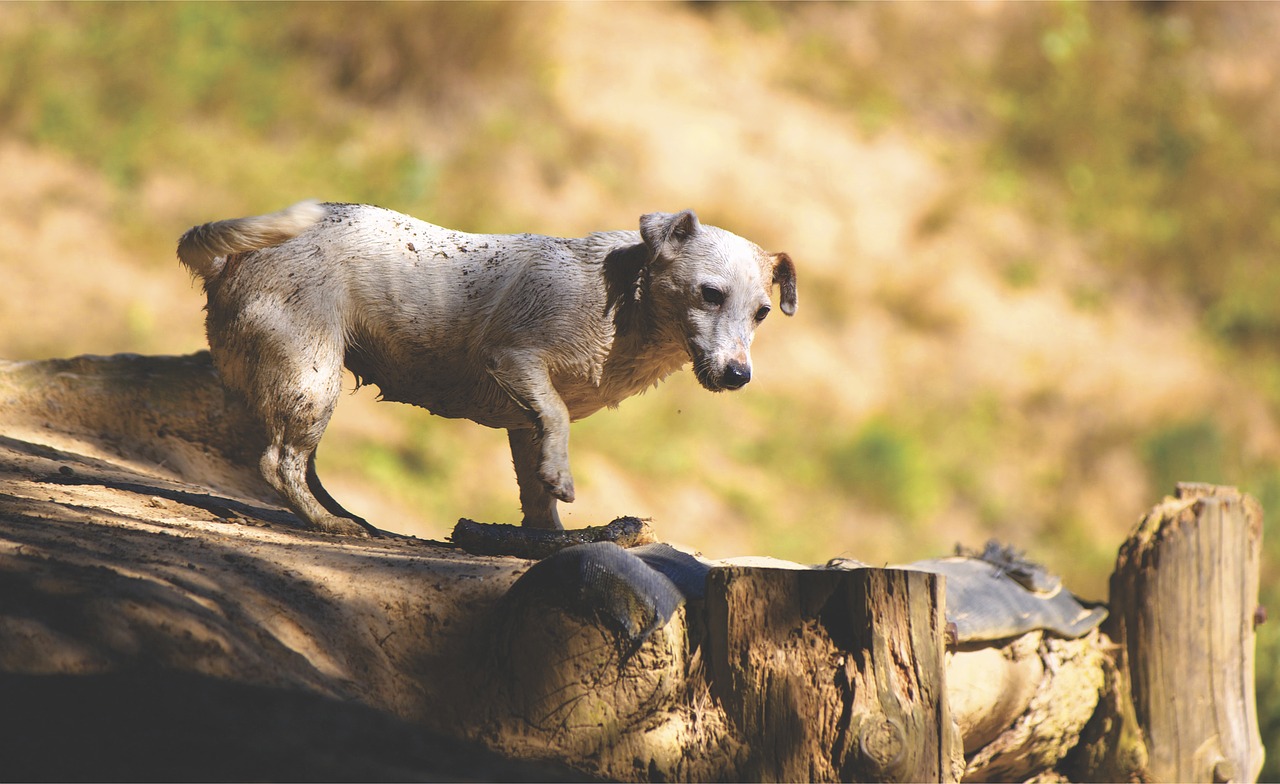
[
  {"x": 712, "y": 295},
  {"x": 762, "y": 312}
]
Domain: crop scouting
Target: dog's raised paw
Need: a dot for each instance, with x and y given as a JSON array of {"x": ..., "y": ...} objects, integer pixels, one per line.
[{"x": 559, "y": 484}]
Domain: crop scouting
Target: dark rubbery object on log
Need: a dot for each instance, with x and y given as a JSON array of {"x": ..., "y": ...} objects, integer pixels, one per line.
[
  {"x": 991, "y": 599},
  {"x": 602, "y": 581}
]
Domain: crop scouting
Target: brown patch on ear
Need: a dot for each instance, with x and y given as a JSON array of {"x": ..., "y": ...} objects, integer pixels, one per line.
[
  {"x": 784, "y": 275},
  {"x": 624, "y": 270}
]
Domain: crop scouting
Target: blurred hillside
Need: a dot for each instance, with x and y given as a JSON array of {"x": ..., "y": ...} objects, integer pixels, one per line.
[{"x": 1037, "y": 243}]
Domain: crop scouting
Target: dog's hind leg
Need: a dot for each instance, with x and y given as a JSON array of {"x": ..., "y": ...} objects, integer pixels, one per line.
[
  {"x": 292, "y": 390},
  {"x": 536, "y": 501},
  {"x": 327, "y": 501},
  {"x": 285, "y": 467}
]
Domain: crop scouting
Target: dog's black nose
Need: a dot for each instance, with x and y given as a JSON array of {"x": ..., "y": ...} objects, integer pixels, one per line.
[{"x": 736, "y": 375}]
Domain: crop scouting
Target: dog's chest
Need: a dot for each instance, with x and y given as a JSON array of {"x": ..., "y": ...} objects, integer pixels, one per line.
[
  {"x": 458, "y": 385},
  {"x": 624, "y": 374}
]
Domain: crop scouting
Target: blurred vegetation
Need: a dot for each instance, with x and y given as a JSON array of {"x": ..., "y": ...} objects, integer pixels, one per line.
[
  {"x": 134, "y": 90},
  {"x": 1143, "y": 130},
  {"x": 1177, "y": 179},
  {"x": 889, "y": 467}
]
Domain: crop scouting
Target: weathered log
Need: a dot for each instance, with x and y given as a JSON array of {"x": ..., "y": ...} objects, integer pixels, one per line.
[
  {"x": 1183, "y": 602},
  {"x": 143, "y": 563},
  {"x": 833, "y": 675},
  {"x": 991, "y": 685},
  {"x": 1065, "y": 698},
  {"x": 168, "y": 414},
  {"x": 112, "y": 580},
  {"x": 1111, "y": 747}
]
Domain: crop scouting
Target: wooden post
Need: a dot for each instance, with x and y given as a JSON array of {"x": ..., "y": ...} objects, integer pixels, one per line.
[
  {"x": 1183, "y": 600},
  {"x": 834, "y": 675}
]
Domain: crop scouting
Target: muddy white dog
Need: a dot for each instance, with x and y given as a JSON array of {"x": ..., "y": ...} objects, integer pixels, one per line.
[{"x": 522, "y": 332}]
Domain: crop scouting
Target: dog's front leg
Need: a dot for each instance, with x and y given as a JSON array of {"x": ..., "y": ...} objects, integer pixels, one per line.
[
  {"x": 536, "y": 501},
  {"x": 523, "y": 375}
]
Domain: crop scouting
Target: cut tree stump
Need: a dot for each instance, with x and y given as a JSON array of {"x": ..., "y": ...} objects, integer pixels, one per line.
[
  {"x": 834, "y": 675},
  {"x": 1183, "y": 602}
]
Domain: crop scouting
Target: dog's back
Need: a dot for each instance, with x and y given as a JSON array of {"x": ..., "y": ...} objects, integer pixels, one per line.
[{"x": 394, "y": 296}]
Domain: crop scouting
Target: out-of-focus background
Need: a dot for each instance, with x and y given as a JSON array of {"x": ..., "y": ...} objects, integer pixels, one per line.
[{"x": 1038, "y": 244}]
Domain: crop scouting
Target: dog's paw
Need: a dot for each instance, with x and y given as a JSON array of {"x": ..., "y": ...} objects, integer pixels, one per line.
[
  {"x": 559, "y": 483},
  {"x": 342, "y": 526}
]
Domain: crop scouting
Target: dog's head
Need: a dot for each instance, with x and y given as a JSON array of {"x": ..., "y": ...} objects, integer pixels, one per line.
[{"x": 715, "y": 286}]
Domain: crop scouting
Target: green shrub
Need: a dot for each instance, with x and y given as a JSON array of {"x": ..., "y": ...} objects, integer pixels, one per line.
[
  {"x": 887, "y": 466},
  {"x": 1193, "y": 451}
]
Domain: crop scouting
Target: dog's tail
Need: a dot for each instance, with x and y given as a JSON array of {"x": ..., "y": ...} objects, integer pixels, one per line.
[{"x": 204, "y": 249}]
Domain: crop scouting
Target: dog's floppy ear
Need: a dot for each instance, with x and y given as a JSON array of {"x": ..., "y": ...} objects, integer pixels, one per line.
[
  {"x": 664, "y": 231},
  {"x": 784, "y": 275}
]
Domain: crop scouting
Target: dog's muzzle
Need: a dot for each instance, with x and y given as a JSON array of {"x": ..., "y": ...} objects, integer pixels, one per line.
[{"x": 735, "y": 376}]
